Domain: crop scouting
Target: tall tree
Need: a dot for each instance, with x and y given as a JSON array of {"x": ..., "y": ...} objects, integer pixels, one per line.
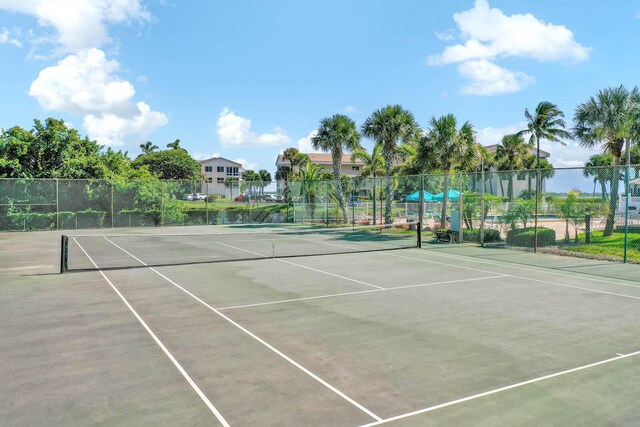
[
  {"x": 336, "y": 134},
  {"x": 264, "y": 178},
  {"x": 446, "y": 146},
  {"x": 175, "y": 145},
  {"x": 609, "y": 118},
  {"x": 171, "y": 164},
  {"x": 309, "y": 177},
  {"x": 148, "y": 147},
  {"x": 512, "y": 150},
  {"x": 546, "y": 123},
  {"x": 389, "y": 126},
  {"x": 599, "y": 167},
  {"x": 251, "y": 179},
  {"x": 373, "y": 167}
]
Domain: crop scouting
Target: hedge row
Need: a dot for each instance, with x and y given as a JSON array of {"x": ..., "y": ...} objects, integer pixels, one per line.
[
  {"x": 525, "y": 237},
  {"x": 135, "y": 218},
  {"x": 490, "y": 235}
]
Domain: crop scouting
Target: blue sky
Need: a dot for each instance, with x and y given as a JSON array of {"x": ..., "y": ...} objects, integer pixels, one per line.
[{"x": 246, "y": 79}]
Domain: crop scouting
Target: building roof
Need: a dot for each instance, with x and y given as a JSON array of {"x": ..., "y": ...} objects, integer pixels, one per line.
[
  {"x": 218, "y": 158},
  {"x": 493, "y": 147},
  {"x": 325, "y": 158}
]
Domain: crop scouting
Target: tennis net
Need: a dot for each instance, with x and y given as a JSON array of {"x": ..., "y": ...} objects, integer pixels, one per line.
[{"x": 103, "y": 252}]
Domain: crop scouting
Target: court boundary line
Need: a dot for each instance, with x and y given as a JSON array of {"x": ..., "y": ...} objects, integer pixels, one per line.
[
  {"x": 160, "y": 344},
  {"x": 520, "y": 277},
  {"x": 500, "y": 389},
  {"x": 421, "y": 285},
  {"x": 303, "y": 266},
  {"x": 548, "y": 270},
  {"x": 511, "y": 275},
  {"x": 257, "y": 338}
]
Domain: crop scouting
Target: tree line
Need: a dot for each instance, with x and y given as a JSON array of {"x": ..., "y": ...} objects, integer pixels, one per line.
[
  {"x": 51, "y": 149},
  {"x": 610, "y": 119}
]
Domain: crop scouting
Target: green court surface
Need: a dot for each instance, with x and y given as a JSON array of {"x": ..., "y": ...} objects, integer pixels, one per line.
[{"x": 400, "y": 337}]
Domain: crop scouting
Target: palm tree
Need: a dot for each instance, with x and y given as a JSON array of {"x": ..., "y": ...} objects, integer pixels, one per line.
[
  {"x": 250, "y": 179},
  {"x": 175, "y": 145},
  {"x": 295, "y": 160},
  {"x": 388, "y": 126},
  {"x": 512, "y": 150},
  {"x": 309, "y": 179},
  {"x": 373, "y": 167},
  {"x": 548, "y": 123},
  {"x": 264, "y": 177},
  {"x": 609, "y": 118},
  {"x": 445, "y": 147},
  {"x": 230, "y": 183},
  {"x": 599, "y": 167},
  {"x": 335, "y": 134},
  {"x": 148, "y": 147}
]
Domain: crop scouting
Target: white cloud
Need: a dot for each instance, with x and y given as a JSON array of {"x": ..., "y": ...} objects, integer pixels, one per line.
[
  {"x": 350, "y": 109},
  {"x": 5, "y": 38},
  {"x": 247, "y": 165},
  {"x": 203, "y": 156},
  {"x": 487, "y": 78},
  {"x": 304, "y": 144},
  {"x": 111, "y": 129},
  {"x": 490, "y": 35},
  {"x": 86, "y": 84},
  {"x": 78, "y": 24},
  {"x": 446, "y": 35},
  {"x": 491, "y": 135},
  {"x": 235, "y": 131}
]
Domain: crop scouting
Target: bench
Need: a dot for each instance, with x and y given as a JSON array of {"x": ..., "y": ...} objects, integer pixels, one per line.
[{"x": 444, "y": 236}]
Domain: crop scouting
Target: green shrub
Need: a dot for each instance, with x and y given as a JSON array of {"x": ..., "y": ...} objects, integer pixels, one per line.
[
  {"x": 490, "y": 235},
  {"x": 525, "y": 237}
]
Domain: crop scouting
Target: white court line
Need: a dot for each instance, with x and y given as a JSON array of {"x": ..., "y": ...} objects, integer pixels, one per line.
[
  {"x": 358, "y": 292},
  {"x": 304, "y": 266},
  {"x": 260, "y": 340},
  {"x": 546, "y": 270},
  {"x": 184, "y": 373},
  {"x": 494, "y": 272},
  {"x": 501, "y": 389},
  {"x": 517, "y": 277}
]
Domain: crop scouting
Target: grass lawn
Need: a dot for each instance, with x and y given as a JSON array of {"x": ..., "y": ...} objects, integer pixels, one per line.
[{"x": 612, "y": 246}]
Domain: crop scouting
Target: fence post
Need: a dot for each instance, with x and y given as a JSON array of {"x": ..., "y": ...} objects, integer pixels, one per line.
[
  {"x": 112, "y": 210},
  {"x": 57, "y": 206},
  {"x": 326, "y": 203},
  {"x": 375, "y": 183},
  {"x": 161, "y": 204},
  {"x": 421, "y": 202},
  {"x": 482, "y": 205},
  {"x": 461, "y": 207},
  {"x": 626, "y": 210},
  {"x": 535, "y": 217}
]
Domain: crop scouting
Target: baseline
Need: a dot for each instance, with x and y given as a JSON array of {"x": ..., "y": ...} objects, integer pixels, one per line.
[{"x": 501, "y": 389}]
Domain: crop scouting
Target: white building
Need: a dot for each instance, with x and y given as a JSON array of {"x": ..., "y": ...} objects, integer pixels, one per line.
[
  {"x": 215, "y": 171},
  {"x": 349, "y": 168}
]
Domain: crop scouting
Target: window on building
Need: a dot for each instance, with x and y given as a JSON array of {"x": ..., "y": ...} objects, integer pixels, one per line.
[
  {"x": 220, "y": 169},
  {"x": 209, "y": 179},
  {"x": 522, "y": 176},
  {"x": 232, "y": 171},
  {"x": 220, "y": 181},
  {"x": 355, "y": 168},
  {"x": 208, "y": 168}
]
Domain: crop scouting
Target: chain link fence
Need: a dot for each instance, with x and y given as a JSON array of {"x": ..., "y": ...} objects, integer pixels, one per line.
[{"x": 589, "y": 217}]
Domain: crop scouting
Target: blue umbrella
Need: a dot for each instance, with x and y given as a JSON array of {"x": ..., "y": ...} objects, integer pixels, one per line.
[
  {"x": 453, "y": 196},
  {"x": 415, "y": 197}
]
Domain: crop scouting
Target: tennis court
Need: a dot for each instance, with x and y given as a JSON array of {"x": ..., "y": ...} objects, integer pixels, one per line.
[{"x": 372, "y": 331}]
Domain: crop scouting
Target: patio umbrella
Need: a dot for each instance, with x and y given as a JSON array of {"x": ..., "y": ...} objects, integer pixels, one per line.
[
  {"x": 453, "y": 196},
  {"x": 415, "y": 197}
]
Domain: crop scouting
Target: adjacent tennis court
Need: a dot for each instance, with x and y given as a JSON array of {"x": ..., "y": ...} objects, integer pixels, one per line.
[{"x": 342, "y": 327}]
